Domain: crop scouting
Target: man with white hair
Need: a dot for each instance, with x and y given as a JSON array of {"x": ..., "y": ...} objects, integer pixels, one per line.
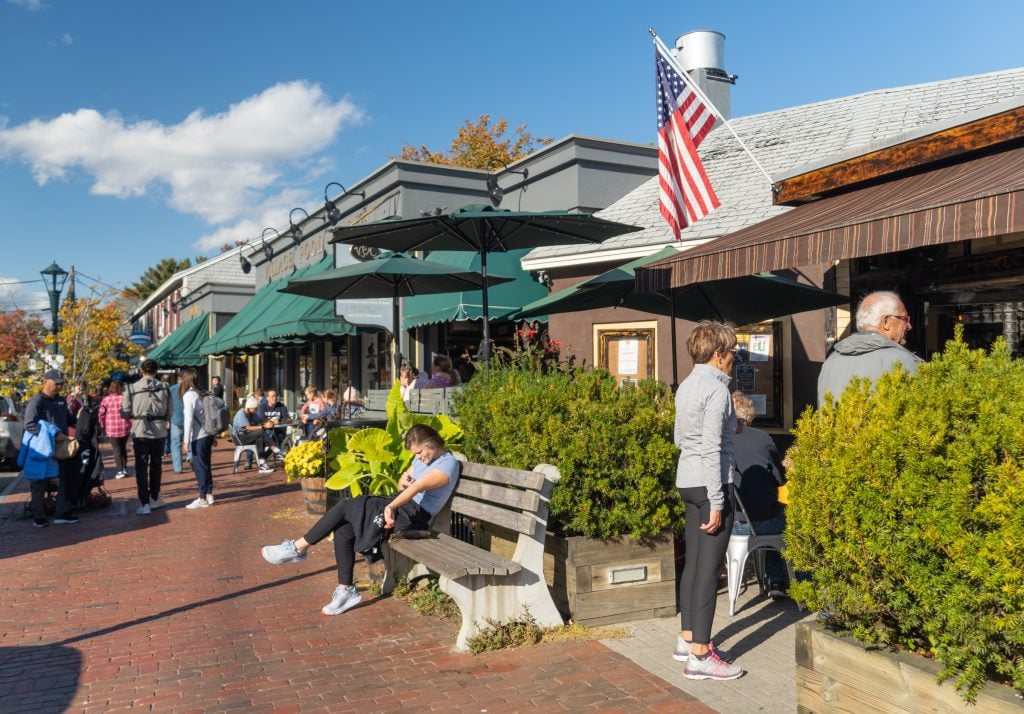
[{"x": 876, "y": 347}]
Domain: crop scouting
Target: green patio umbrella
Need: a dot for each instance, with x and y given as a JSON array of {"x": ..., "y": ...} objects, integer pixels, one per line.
[
  {"x": 392, "y": 275},
  {"x": 482, "y": 229},
  {"x": 742, "y": 300}
]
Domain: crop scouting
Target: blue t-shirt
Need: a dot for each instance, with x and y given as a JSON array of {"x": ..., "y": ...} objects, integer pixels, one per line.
[{"x": 433, "y": 500}]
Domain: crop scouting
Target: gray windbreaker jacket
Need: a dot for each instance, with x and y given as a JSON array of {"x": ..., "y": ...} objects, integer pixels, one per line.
[
  {"x": 862, "y": 354},
  {"x": 705, "y": 426}
]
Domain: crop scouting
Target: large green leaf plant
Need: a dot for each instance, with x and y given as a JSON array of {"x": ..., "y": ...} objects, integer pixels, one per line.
[{"x": 370, "y": 461}]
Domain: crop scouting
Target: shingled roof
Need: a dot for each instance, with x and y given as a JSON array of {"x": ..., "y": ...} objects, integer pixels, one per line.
[{"x": 783, "y": 140}]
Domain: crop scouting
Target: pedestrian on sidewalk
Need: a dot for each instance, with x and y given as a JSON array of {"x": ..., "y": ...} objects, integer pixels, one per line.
[
  {"x": 704, "y": 429},
  {"x": 115, "y": 427},
  {"x": 361, "y": 524},
  {"x": 177, "y": 425},
  {"x": 48, "y": 405},
  {"x": 196, "y": 437},
  {"x": 149, "y": 404}
]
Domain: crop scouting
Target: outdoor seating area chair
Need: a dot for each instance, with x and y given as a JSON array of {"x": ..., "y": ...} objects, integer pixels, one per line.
[
  {"x": 739, "y": 549},
  {"x": 240, "y": 449}
]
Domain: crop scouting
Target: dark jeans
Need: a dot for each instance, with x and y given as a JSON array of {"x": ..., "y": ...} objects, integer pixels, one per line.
[
  {"x": 202, "y": 450},
  {"x": 705, "y": 553},
  {"x": 119, "y": 444},
  {"x": 38, "y": 490},
  {"x": 252, "y": 437},
  {"x": 148, "y": 467},
  {"x": 339, "y": 519}
]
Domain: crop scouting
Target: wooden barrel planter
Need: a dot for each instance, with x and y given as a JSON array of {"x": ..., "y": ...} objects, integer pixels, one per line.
[{"x": 315, "y": 496}]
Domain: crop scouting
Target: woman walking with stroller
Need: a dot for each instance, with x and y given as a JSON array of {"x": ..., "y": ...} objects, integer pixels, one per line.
[
  {"x": 196, "y": 438},
  {"x": 115, "y": 427}
]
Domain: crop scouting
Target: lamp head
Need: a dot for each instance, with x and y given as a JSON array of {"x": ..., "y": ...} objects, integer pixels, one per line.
[
  {"x": 268, "y": 251},
  {"x": 293, "y": 229},
  {"x": 331, "y": 211},
  {"x": 54, "y": 277},
  {"x": 246, "y": 265}
]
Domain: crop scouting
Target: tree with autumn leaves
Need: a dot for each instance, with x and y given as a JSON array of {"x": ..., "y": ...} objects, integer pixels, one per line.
[
  {"x": 22, "y": 336},
  {"x": 92, "y": 339},
  {"x": 481, "y": 145}
]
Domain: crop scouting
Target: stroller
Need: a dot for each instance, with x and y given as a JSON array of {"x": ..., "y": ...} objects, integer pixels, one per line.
[{"x": 88, "y": 472}]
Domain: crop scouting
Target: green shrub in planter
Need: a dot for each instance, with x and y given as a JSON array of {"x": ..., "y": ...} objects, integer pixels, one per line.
[
  {"x": 612, "y": 445},
  {"x": 907, "y": 504}
]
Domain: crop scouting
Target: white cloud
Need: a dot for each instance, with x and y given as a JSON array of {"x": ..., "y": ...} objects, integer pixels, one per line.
[
  {"x": 218, "y": 167},
  {"x": 33, "y": 5},
  {"x": 67, "y": 39},
  {"x": 18, "y": 295}
]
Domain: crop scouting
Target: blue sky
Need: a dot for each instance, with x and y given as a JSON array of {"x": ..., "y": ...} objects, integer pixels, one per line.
[{"x": 131, "y": 131}]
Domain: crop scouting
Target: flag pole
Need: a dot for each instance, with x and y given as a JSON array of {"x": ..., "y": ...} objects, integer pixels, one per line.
[{"x": 697, "y": 90}]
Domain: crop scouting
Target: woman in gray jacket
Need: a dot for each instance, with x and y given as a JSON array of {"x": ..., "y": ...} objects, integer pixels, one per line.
[
  {"x": 196, "y": 439},
  {"x": 705, "y": 425}
]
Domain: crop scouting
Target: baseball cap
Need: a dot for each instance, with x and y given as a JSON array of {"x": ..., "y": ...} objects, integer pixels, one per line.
[
  {"x": 252, "y": 403},
  {"x": 54, "y": 375}
]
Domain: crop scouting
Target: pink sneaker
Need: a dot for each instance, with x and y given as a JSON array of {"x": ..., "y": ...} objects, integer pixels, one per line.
[{"x": 711, "y": 667}]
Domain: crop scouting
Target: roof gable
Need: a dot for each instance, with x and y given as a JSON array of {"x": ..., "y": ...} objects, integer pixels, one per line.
[{"x": 782, "y": 140}]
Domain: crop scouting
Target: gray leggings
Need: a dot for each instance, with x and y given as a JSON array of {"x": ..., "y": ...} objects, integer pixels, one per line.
[{"x": 705, "y": 553}]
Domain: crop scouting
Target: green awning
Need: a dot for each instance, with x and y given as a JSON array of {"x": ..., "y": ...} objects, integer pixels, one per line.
[
  {"x": 183, "y": 347},
  {"x": 502, "y": 299},
  {"x": 272, "y": 319}
]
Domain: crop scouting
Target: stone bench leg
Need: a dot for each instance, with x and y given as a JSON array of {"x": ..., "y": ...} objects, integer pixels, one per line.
[
  {"x": 397, "y": 566},
  {"x": 499, "y": 598}
]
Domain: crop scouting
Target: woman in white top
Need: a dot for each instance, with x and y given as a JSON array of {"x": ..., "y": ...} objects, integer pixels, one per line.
[{"x": 197, "y": 437}]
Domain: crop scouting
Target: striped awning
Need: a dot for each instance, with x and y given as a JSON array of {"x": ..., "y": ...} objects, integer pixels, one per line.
[{"x": 978, "y": 198}]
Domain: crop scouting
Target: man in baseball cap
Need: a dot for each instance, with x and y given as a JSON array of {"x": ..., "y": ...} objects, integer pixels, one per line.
[{"x": 49, "y": 405}]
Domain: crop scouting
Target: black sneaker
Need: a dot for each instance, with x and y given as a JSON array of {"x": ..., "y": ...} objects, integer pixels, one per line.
[
  {"x": 66, "y": 518},
  {"x": 41, "y": 523},
  {"x": 778, "y": 591}
]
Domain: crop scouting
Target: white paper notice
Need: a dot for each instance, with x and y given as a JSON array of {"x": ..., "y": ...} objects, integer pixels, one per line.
[
  {"x": 760, "y": 403},
  {"x": 629, "y": 356},
  {"x": 760, "y": 347}
]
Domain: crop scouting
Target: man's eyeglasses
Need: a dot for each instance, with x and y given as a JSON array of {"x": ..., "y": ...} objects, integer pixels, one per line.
[{"x": 902, "y": 318}]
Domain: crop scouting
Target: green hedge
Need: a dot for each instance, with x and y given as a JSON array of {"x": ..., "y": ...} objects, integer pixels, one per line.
[
  {"x": 612, "y": 446},
  {"x": 907, "y": 504}
]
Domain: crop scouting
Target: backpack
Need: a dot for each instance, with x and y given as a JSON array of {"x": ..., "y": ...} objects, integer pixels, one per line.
[
  {"x": 215, "y": 414},
  {"x": 155, "y": 408}
]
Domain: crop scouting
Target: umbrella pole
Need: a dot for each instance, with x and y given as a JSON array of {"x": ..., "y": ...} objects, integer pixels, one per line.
[
  {"x": 672, "y": 330},
  {"x": 485, "y": 348},
  {"x": 394, "y": 333}
]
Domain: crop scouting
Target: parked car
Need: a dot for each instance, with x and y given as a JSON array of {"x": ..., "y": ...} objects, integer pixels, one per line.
[{"x": 11, "y": 424}]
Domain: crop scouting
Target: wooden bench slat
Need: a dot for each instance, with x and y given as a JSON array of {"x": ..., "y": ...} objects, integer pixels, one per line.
[
  {"x": 531, "y": 480},
  {"x": 519, "y": 522},
  {"x": 523, "y": 500},
  {"x": 453, "y": 558}
]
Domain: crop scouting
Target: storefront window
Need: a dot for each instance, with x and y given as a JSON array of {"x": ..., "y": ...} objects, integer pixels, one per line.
[
  {"x": 305, "y": 365},
  {"x": 339, "y": 365},
  {"x": 757, "y": 371}
]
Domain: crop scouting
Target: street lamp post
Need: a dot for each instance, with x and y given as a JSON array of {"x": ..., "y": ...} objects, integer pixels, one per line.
[{"x": 54, "y": 278}]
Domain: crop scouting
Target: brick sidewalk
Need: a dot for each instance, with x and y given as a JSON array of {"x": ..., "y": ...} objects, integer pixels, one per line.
[{"x": 176, "y": 611}]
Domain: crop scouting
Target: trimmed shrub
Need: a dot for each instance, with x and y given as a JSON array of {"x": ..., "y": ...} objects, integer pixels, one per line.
[
  {"x": 612, "y": 445},
  {"x": 907, "y": 505}
]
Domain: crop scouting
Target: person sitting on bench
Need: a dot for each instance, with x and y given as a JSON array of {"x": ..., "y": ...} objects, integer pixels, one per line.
[
  {"x": 360, "y": 524},
  {"x": 248, "y": 429}
]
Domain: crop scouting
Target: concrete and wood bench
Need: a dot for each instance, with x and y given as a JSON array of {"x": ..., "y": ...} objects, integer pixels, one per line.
[
  {"x": 437, "y": 400},
  {"x": 482, "y": 584}
]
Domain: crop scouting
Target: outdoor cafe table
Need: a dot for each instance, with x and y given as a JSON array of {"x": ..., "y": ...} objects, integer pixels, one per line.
[{"x": 359, "y": 422}]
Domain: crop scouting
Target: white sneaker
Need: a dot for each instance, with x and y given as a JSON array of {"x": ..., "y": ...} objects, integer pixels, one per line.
[
  {"x": 198, "y": 503},
  {"x": 120, "y": 474},
  {"x": 344, "y": 598},
  {"x": 156, "y": 503},
  {"x": 143, "y": 510},
  {"x": 266, "y": 468},
  {"x": 209, "y": 499},
  {"x": 711, "y": 667}
]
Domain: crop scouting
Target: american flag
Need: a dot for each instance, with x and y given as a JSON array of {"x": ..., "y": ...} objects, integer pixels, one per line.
[{"x": 683, "y": 122}]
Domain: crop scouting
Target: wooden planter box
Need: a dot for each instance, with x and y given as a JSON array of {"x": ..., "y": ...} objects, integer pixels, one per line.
[
  {"x": 596, "y": 582},
  {"x": 839, "y": 674}
]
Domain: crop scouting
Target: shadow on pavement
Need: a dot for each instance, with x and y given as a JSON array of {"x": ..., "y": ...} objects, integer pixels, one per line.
[
  {"x": 38, "y": 678},
  {"x": 191, "y": 606},
  {"x": 766, "y": 624}
]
